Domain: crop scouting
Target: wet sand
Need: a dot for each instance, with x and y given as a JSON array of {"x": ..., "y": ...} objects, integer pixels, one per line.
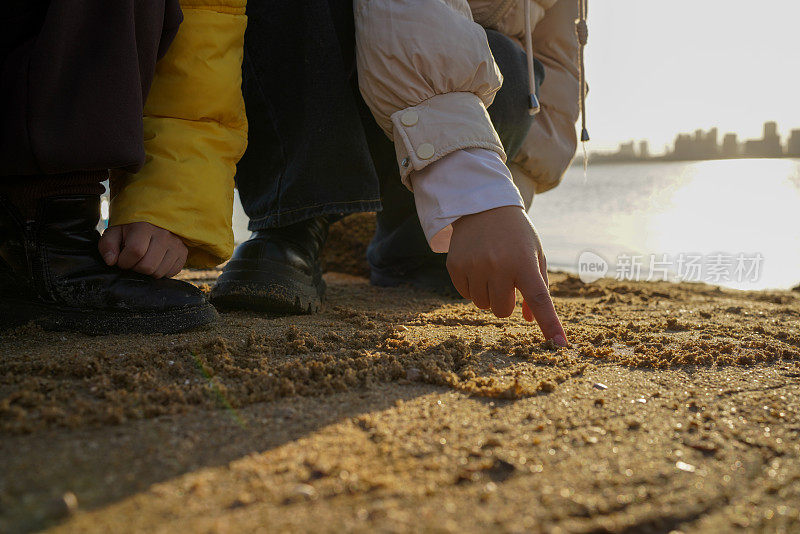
[{"x": 677, "y": 407}]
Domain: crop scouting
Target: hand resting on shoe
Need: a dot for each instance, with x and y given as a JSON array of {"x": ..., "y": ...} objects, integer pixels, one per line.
[{"x": 143, "y": 248}]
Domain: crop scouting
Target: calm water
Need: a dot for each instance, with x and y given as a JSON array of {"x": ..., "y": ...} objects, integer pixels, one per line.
[
  {"x": 717, "y": 211},
  {"x": 734, "y": 223}
]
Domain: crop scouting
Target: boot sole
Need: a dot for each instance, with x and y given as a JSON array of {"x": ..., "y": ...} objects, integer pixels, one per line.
[
  {"x": 274, "y": 289},
  {"x": 101, "y": 322}
]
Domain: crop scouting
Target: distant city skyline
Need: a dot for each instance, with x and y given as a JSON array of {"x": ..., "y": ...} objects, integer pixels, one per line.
[
  {"x": 657, "y": 68},
  {"x": 706, "y": 144}
]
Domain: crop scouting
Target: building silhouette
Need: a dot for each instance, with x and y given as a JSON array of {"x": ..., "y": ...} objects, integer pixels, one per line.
[
  {"x": 626, "y": 151},
  {"x": 793, "y": 146},
  {"x": 769, "y": 146},
  {"x": 772, "y": 141},
  {"x": 730, "y": 146},
  {"x": 644, "y": 150},
  {"x": 701, "y": 145}
]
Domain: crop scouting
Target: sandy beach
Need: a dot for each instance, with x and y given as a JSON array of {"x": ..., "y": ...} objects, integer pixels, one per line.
[
  {"x": 677, "y": 407},
  {"x": 639, "y": 160}
]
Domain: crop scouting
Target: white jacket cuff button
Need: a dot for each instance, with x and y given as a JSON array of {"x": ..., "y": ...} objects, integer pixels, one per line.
[
  {"x": 425, "y": 151},
  {"x": 409, "y": 118}
]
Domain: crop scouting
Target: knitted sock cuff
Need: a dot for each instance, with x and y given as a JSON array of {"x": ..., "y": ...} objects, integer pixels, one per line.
[{"x": 24, "y": 192}]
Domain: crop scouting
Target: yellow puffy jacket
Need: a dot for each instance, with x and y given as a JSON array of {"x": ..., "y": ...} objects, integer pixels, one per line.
[{"x": 195, "y": 131}]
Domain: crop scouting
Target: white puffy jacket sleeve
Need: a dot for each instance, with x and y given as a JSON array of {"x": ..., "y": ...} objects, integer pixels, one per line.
[{"x": 427, "y": 74}]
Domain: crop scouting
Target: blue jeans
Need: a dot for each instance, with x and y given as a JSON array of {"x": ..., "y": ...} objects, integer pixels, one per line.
[{"x": 314, "y": 146}]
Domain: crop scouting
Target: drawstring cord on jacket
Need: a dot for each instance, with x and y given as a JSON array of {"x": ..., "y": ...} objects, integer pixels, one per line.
[
  {"x": 533, "y": 102},
  {"x": 582, "y": 30}
]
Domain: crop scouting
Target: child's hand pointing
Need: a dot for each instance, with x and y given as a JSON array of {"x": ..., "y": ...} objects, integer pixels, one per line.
[{"x": 492, "y": 253}]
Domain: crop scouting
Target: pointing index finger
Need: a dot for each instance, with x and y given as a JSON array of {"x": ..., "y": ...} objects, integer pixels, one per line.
[{"x": 537, "y": 297}]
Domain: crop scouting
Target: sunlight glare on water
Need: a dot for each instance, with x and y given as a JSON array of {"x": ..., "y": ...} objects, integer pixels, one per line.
[
  {"x": 731, "y": 207},
  {"x": 724, "y": 207}
]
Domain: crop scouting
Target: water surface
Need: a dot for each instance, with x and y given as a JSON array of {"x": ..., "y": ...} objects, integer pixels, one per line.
[{"x": 716, "y": 210}]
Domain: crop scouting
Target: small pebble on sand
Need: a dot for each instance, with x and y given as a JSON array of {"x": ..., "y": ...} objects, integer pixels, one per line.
[
  {"x": 683, "y": 466},
  {"x": 304, "y": 490}
]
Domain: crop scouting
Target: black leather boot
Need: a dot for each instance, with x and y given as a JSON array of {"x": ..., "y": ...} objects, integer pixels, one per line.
[
  {"x": 399, "y": 255},
  {"x": 276, "y": 271},
  {"x": 51, "y": 273},
  {"x": 429, "y": 274}
]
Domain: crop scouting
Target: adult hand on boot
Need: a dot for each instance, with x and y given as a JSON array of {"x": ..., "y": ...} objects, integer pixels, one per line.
[
  {"x": 144, "y": 248},
  {"x": 495, "y": 251}
]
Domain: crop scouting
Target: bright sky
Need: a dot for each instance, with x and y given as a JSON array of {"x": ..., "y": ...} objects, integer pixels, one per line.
[{"x": 659, "y": 68}]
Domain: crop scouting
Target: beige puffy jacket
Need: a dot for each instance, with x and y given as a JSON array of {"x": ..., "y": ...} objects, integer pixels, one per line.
[{"x": 427, "y": 74}]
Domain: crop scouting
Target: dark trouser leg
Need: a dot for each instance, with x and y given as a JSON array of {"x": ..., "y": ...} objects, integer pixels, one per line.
[
  {"x": 307, "y": 154},
  {"x": 63, "y": 128},
  {"x": 75, "y": 74},
  {"x": 399, "y": 249},
  {"x": 307, "y": 157}
]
